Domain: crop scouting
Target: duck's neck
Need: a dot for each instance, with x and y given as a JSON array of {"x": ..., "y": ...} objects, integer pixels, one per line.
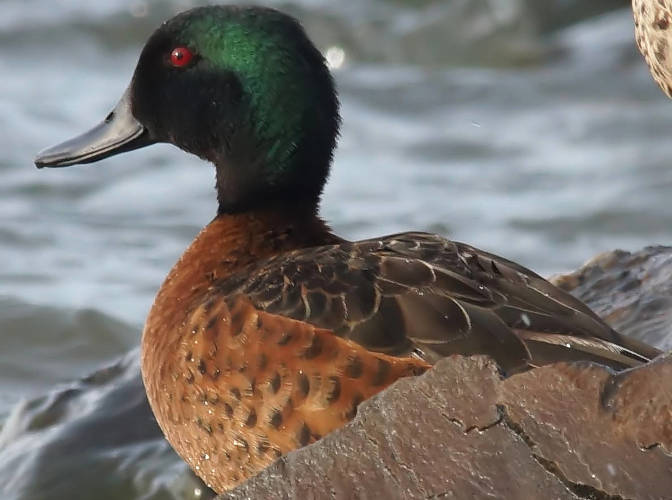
[{"x": 226, "y": 245}]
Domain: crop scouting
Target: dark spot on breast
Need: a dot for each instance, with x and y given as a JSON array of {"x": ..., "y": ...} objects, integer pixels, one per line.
[
  {"x": 228, "y": 363},
  {"x": 228, "y": 410},
  {"x": 335, "y": 391},
  {"x": 251, "y": 418},
  {"x": 285, "y": 338},
  {"x": 237, "y": 324},
  {"x": 204, "y": 425},
  {"x": 662, "y": 23},
  {"x": 314, "y": 349},
  {"x": 356, "y": 400},
  {"x": 354, "y": 368},
  {"x": 275, "y": 383},
  {"x": 236, "y": 393},
  {"x": 381, "y": 373},
  {"x": 303, "y": 384},
  {"x": 262, "y": 446},
  {"x": 201, "y": 367},
  {"x": 276, "y": 419},
  {"x": 262, "y": 361},
  {"x": 303, "y": 436},
  {"x": 211, "y": 323}
]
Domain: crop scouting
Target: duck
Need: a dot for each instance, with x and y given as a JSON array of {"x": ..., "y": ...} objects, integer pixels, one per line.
[
  {"x": 653, "y": 23},
  {"x": 270, "y": 329}
]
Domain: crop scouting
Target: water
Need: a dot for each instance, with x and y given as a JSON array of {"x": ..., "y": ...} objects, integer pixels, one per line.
[{"x": 532, "y": 133}]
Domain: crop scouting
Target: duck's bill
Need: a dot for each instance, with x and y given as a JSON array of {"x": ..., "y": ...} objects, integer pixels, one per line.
[{"x": 118, "y": 133}]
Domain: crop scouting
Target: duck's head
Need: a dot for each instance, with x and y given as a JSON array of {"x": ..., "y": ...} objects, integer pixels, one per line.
[{"x": 241, "y": 87}]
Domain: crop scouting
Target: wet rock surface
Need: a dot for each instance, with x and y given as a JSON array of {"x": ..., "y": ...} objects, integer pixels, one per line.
[
  {"x": 632, "y": 291},
  {"x": 79, "y": 432},
  {"x": 601, "y": 435},
  {"x": 569, "y": 430}
]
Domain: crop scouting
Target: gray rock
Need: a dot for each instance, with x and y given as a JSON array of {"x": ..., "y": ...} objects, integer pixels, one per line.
[{"x": 632, "y": 291}]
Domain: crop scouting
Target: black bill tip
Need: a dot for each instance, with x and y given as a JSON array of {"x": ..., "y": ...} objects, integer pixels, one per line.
[{"x": 119, "y": 132}]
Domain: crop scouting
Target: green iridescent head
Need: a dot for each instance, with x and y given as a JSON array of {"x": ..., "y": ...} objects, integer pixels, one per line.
[{"x": 241, "y": 87}]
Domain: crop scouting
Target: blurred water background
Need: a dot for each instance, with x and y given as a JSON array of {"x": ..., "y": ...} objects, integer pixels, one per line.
[{"x": 530, "y": 128}]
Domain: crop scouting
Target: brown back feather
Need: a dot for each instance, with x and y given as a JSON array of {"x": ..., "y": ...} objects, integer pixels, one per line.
[{"x": 422, "y": 295}]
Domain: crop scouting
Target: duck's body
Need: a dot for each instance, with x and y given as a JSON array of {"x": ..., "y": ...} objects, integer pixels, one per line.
[
  {"x": 234, "y": 382},
  {"x": 270, "y": 330}
]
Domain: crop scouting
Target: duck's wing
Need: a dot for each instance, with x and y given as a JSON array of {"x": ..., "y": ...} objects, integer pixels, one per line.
[{"x": 421, "y": 295}]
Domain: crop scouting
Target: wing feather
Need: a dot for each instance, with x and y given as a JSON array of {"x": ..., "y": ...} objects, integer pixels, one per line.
[{"x": 416, "y": 293}]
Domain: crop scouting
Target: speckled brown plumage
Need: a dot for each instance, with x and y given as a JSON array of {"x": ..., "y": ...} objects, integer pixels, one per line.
[
  {"x": 233, "y": 386},
  {"x": 270, "y": 331},
  {"x": 653, "y": 25},
  {"x": 252, "y": 386}
]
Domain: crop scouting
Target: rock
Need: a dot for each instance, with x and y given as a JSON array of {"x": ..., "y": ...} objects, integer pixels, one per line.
[
  {"x": 92, "y": 438},
  {"x": 570, "y": 430},
  {"x": 632, "y": 291},
  {"x": 600, "y": 434}
]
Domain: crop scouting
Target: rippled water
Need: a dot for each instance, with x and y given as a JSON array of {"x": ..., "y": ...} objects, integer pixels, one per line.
[{"x": 522, "y": 130}]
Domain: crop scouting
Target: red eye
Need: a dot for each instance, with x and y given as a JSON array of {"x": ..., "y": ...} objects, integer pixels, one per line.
[{"x": 180, "y": 57}]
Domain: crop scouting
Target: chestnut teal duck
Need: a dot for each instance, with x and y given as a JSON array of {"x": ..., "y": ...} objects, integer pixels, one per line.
[{"x": 270, "y": 330}]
